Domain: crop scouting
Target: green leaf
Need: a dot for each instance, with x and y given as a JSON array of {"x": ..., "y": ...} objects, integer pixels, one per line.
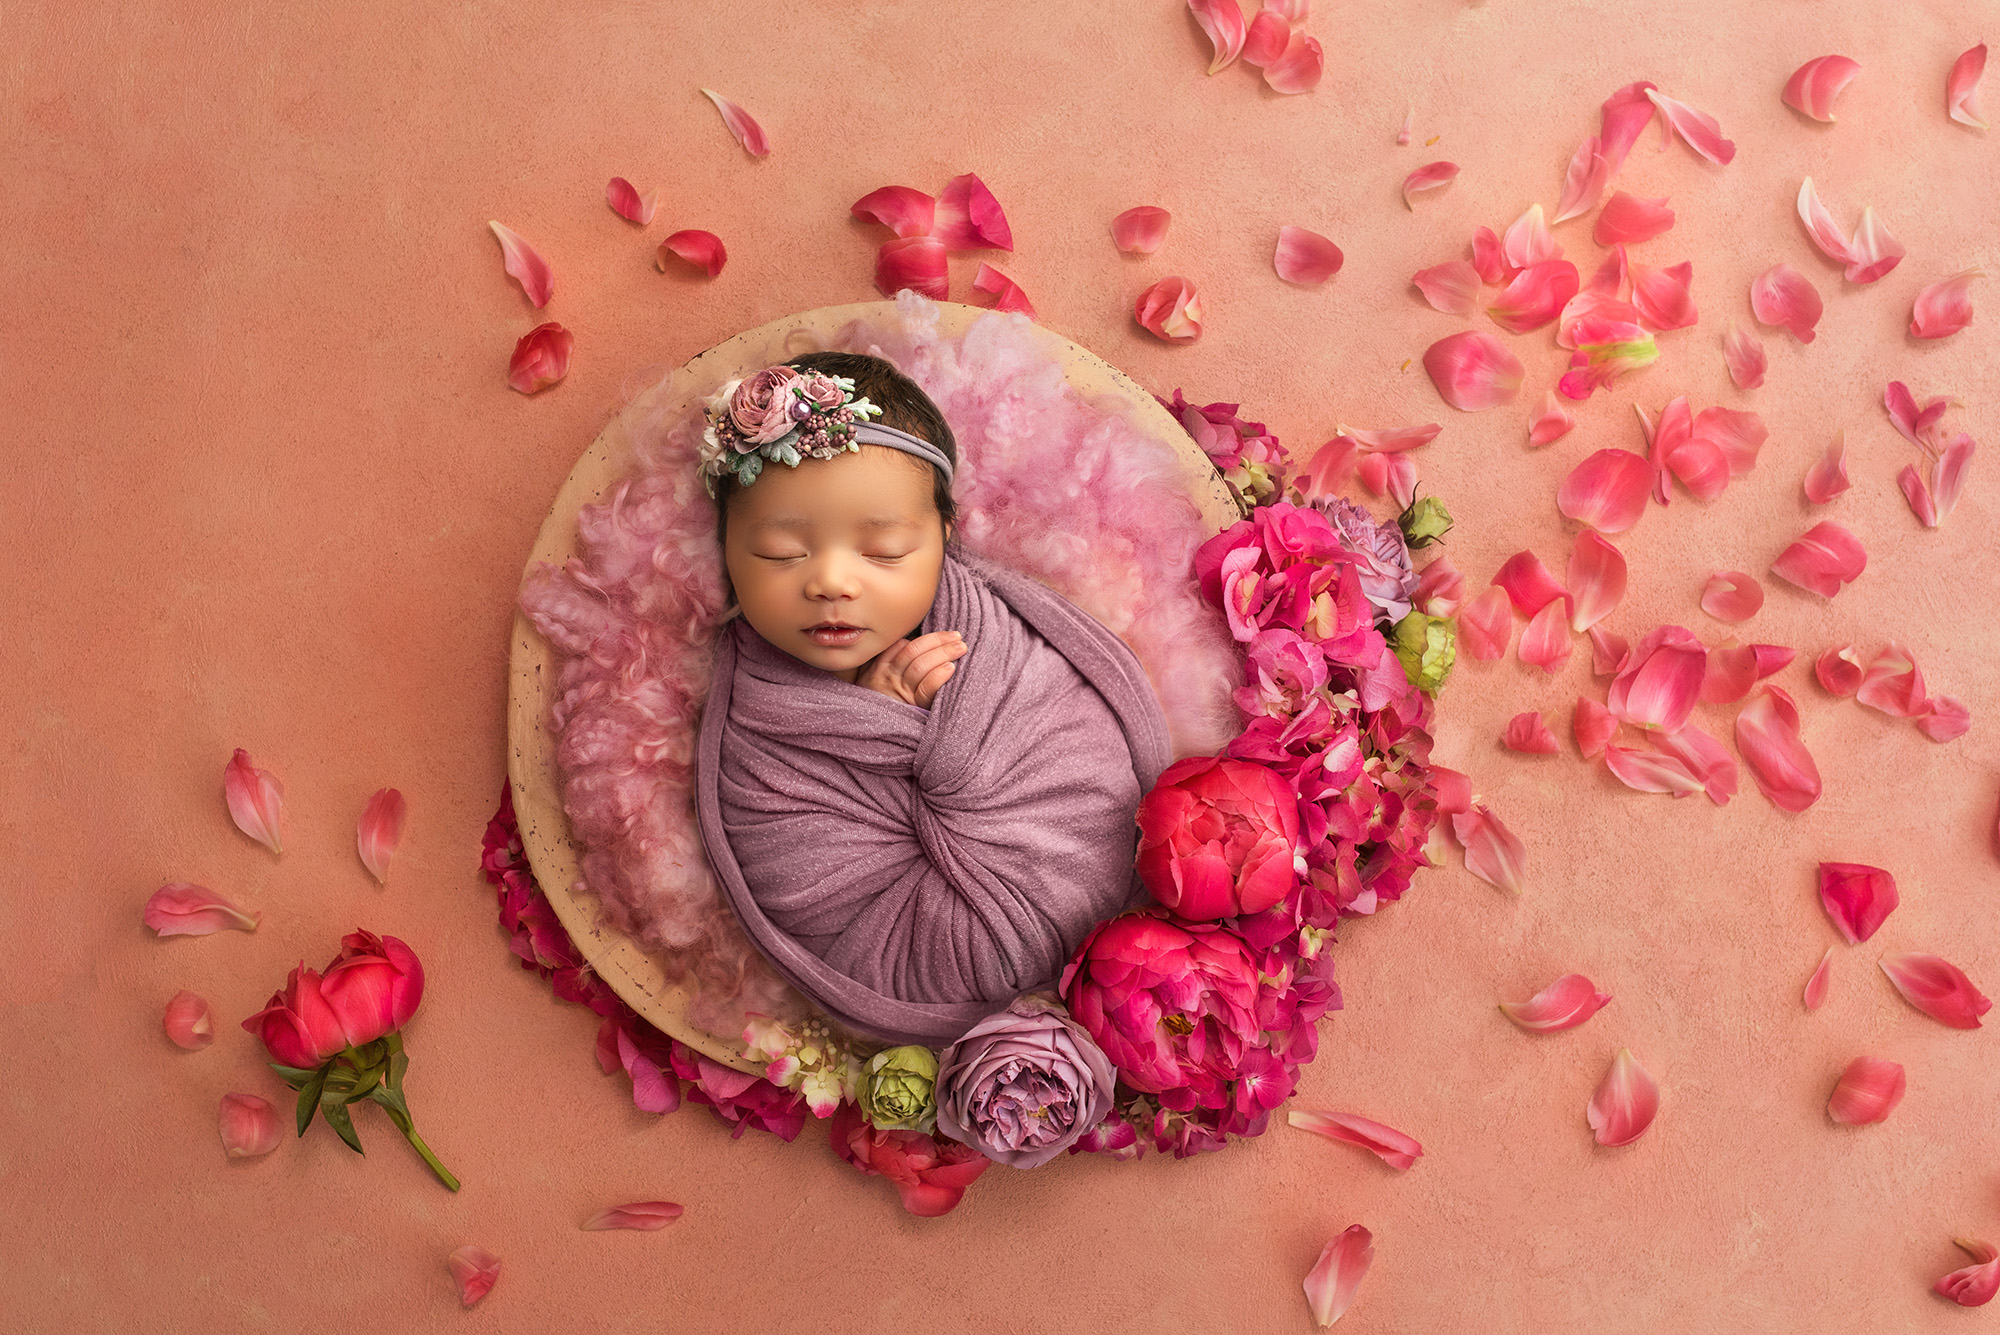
[
  {"x": 392, "y": 1103},
  {"x": 336, "y": 1116},
  {"x": 309, "y": 1098},
  {"x": 294, "y": 1076}
]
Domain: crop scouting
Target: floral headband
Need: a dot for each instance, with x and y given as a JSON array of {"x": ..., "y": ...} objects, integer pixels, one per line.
[{"x": 783, "y": 415}]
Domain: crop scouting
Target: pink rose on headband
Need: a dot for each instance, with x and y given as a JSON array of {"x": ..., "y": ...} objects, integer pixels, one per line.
[
  {"x": 822, "y": 392},
  {"x": 1217, "y": 838},
  {"x": 761, "y": 408}
]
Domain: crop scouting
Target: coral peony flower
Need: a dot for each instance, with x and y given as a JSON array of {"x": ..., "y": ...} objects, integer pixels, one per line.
[
  {"x": 1218, "y": 838},
  {"x": 930, "y": 1175},
  {"x": 296, "y": 1026},
  {"x": 373, "y": 986},
  {"x": 1024, "y": 1084}
]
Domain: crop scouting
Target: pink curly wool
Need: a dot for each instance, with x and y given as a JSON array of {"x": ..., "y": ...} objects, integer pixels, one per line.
[{"x": 1074, "y": 493}]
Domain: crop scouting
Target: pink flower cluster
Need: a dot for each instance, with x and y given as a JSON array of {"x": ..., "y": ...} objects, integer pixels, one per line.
[{"x": 1250, "y": 458}]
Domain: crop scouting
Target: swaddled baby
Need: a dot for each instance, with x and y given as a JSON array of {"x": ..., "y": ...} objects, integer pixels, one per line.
[{"x": 917, "y": 772}]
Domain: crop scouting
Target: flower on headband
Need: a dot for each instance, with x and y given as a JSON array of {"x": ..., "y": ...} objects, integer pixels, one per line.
[{"x": 779, "y": 415}]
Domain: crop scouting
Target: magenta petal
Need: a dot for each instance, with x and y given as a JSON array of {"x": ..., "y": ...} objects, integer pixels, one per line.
[
  {"x": 742, "y": 125},
  {"x": 1821, "y": 226},
  {"x": 1607, "y": 491},
  {"x": 1596, "y": 579},
  {"x": 1394, "y": 1148},
  {"x": 1827, "y": 478},
  {"x": 1662, "y": 296},
  {"x": 256, "y": 800},
  {"x": 1007, "y": 293},
  {"x": 1824, "y": 560},
  {"x": 182, "y": 909},
  {"x": 914, "y": 262},
  {"x": 1650, "y": 771},
  {"x": 1534, "y": 297},
  {"x": 1772, "y": 657},
  {"x": 1608, "y": 652},
  {"x": 1782, "y": 296},
  {"x": 1528, "y": 241},
  {"x": 1705, "y": 758},
  {"x": 1945, "y": 307},
  {"x": 1730, "y": 673},
  {"x": 1563, "y": 1004},
  {"x": 1625, "y": 1102},
  {"x": 1732, "y": 596},
  {"x": 1815, "y": 84},
  {"x": 1839, "y": 671},
  {"x": 1222, "y": 21},
  {"x": 379, "y": 831},
  {"x": 700, "y": 248},
  {"x": 540, "y": 358},
  {"x": 1430, "y": 176},
  {"x": 1700, "y": 130},
  {"x": 1894, "y": 684},
  {"x": 1304, "y": 257},
  {"x": 1767, "y": 736},
  {"x": 905, "y": 211},
  {"x": 1142, "y": 229},
  {"x": 1948, "y": 474},
  {"x": 1815, "y": 994},
  {"x": 1973, "y": 1285},
  {"x": 1530, "y": 735},
  {"x": 1739, "y": 433},
  {"x": 1529, "y": 585},
  {"x": 476, "y": 1270},
  {"x": 1546, "y": 641},
  {"x": 627, "y": 203},
  {"x": 526, "y": 265},
  {"x": 1868, "y": 1091},
  {"x": 1630, "y": 219},
  {"x": 642, "y": 1215},
  {"x": 1552, "y": 420},
  {"x": 1961, "y": 87},
  {"x": 1875, "y": 251},
  {"x": 1625, "y": 116},
  {"x": 1858, "y": 898},
  {"x": 1584, "y": 182},
  {"x": 1949, "y": 718},
  {"x": 1938, "y": 988},
  {"x": 1486, "y": 624},
  {"x": 1298, "y": 68},
  {"x": 1592, "y": 725},
  {"x": 969, "y": 217},
  {"x": 1473, "y": 371}
]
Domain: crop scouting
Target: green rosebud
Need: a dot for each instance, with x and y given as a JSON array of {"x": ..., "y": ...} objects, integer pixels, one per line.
[
  {"x": 1426, "y": 647},
  {"x": 896, "y": 1089},
  {"x": 1424, "y": 522}
]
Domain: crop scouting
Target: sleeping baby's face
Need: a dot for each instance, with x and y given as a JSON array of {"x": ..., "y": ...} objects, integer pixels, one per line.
[{"x": 836, "y": 559}]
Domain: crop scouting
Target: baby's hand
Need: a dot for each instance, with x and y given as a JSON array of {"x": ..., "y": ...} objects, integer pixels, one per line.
[{"x": 913, "y": 670}]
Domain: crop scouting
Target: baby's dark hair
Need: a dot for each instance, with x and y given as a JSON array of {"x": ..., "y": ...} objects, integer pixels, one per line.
[{"x": 904, "y": 406}]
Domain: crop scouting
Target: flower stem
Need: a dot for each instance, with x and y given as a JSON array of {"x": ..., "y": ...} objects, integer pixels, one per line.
[{"x": 444, "y": 1174}]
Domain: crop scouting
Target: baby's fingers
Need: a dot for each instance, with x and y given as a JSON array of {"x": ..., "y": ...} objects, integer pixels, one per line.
[
  {"x": 927, "y": 689},
  {"x": 922, "y": 665}
]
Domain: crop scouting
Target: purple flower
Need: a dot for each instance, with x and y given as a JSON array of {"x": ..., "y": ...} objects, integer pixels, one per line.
[
  {"x": 1386, "y": 576},
  {"x": 1023, "y": 1084}
]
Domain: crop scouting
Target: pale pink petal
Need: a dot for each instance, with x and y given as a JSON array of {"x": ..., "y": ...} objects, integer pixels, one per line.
[
  {"x": 1608, "y": 652},
  {"x": 1486, "y": 256},
  {"x": 1440, "y": 587},
  {"x": 1584, "y": 182},
  {"x": 913, "y": 262},
  {"x": 1815, "y": 84},
  {"x": 1305, "y": 257},
  {"x": 249, "y": 1126},
  {"x": 1473, "y": 370},
  {"x": 1527, "y": 240},
  {"x": 1707, "y": 759},
  {"x": 1948, "y": 474},
  {"x": 1552, "y": 420},
  {"x": 1430, "y": 176},
  {"x": 1141, "y": 230},
  {"x": 1454, "y": 791},
  {"x": 1961, "y": 88},
  {"x": 1767, "y": 736},
  {"x": 1529, "y": 584},
  {"x": 1607, "y": 490},
  {"x": 1816, "y": 985},
  {"x": 1743, "y": 353},
  {"x": 1563, "y": 1004},
  {"x": 256, "y": 800},
  {"x": 1858, "y": 898},
  {"x": 642, "y": 1215},
  {"x": 1875, "y": 252},
  {"x": 1824, "y": 560},
  {"x": 1661, "y": 680},
  {"x": 1701, "y": 466},
  {"x": 526, "y": 266},
  {"x": 1298, "y": 68},
  {"x": 188, "y": 1022},
  {"x": 1392, "y": 439},
  {"x": 1625, "y": 114},
  {"x": 1662, "y": 296},
  {"x": 540, "y": 358},
  {"x": 1329, "y": 470},
  {"x": 1009, "y": 295},
  {"x": 1945, "y": 307},
  {"x": 900, "y": 208},
  {"x": 1732, "y": 596},
  {"x": 1840, "y": 671},
  {"x": 1949, "y": 718},
  {"x": 1632, "y": 219},
  {"x": 1592, "y": 725},
  {"x": 741, "y": 124},
  {"x": 1222, "y": 21},
  {"x": 1782, "y": 296},
  {"x": 474, "y": 1269},
  {"x": 1700, "y": 131},
  {"x": 704, "y": 250},
  {"x": 182, "y": 909},
  {"x": 1451, "y": 287},
  {"x": 1409, "y": 123},
  {"x": 1170, "y": 309},
  {"x": 1394, "y": 1148},
  {"x": 1730, "y": 674},
  {"x": 1827, "y": 478},
  {"x": 1486, "y": 624},
  {"x": 380, "y": 830},
  {"x": 1528, "y": 734},
  {"x": 1740, "y": 433},
  {"x": 970, "y": 218},
  {"x": 1534, "y": 296},
  {"x": 1894, "y": 684},
  {"x": 1492, "y": 853},
  {"x": 1650, "y": 771},
  {"x": 1266, "y": 37},
  {"x": 1975, "y": 1285},
  {"x": 1625, "y": 1102},
  {"x": 1772, "y": 657},
  {"x": 1331, "y": 1283},
  {"x": 1596, "y": 579},
  {"x": 1391, "y": 475},
  {"x": 1938, "y": 988},
  {"x": 1868, "y": 1091},
  {"x": 626, "y": 201}
]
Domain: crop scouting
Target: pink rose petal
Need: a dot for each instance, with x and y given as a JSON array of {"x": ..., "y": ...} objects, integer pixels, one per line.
[
  {"x": 188, "y": 1022},
  {"x": 525, "y": 265},
  {"x": 1142, "y": 229},
  {"x": 1584, "y": 182},
  {"x": 1662, "y": 296},
  {"x": 1948, "y": 474},
  {"x": 1840, "y": 671},
  {"x": 1390, "y": 1145},
  {"x": 1743, "y": 353},
  {"x": 1827, "y": 478},
  {"x": 1607, "y": 490},
  {"x": 1650, "y": 771},
  {"x": 704, "y": 250},
  {"x": 1305, "y": 257},
  {"x": 626, "y": 201},
  {"x": 969, "y": 217},
  {"x": 1700, "y": 131},
  {"x": 1782, "y": 296},
  {"x": 1451, "y": 287},
  {"x": 182, "y": 909},
  {"x": 1919, "y": 426},
  {"x": 540, "y": 358},
  {"x": 1705, "y": 758},
  {"x": 903, "y": 210},
  {"x": 379, "y": 831},
  {"x": 1938, "y": 988},
  {"x": 1440, "y": 588},
  {"x": 1486, "y": 624},
  {"x": 1815, "y": 994},
  {"x": 1334, "y": 1278},
  {"x": 1738, "y": 433},
  {"x": 1298, "y": 68},
  {"x": 1815, "y": 84},
  {"x": 1732, "y": 596},
  {"x": 1625, "y": 1102},
  {"x": 1731, "y": 672},
  {"x": 1529, "y": 584},
  {"x": 1868, "y": 1091},
  {"x": 1858, "y": 898},
  {"x": 1171, "y": 310},
  {"x": 1945, "y": 307},
  {"x": 1486, "y": 256},
  {"x": 1596, "y": 579},
  {"x": 1975, "y": 1285},
  {"x": 1222, "y": 21},
  {"x": 1552, "y": 420},
  {"x": 1824, "y": 560},
  {"x": 1008, "y": 293},
  {"x": 1546, "y": 641},
  {"x": 1660, "y": 680},
  {"x": 641, "y": 1215},
  {"x": 1563, "y": 1004},
  {"x": 1528, "y": 241},
  {"x": 1961, "y": 89},
  {"x": 741, "y": 124},
  {"x": 1430, "y": 176},
  {"x": 1700, "y": 465},
  {"x": 1894, "y": 684},
  {"x": 1630, "y": 219},
  {"x": 1767, "y": 736},
  {"x": 1949, "y": 718},
  {"x": 248, "y": 1125},
  {"x": 1875, "y": 252},
  {"x": 474, "y": 1269},
  {"x": 1391, "y": 475},
  {"x": 914, "y": 262},
  {"x": 1535, "y": 296},
  {"x": 1608, "y": 652},
  {"x": 1528, "y": 734},
  {"x": 1392, "y": 439},
  {"x": 1474, "y": 371},
  {"x": 1492, "y": 853},
  {"x": 1772, "y": 657},
  {"x": 256, "y": 800},
  {"x": 1625, "y": 115},
  {"x": 1593, "y": 726}
]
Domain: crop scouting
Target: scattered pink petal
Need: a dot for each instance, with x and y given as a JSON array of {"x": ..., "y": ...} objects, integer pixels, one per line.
[
  {"x": 188, "y": 1022},
  {"x": 1975, "y": 1285},
  {"x": 1170, "y": 309},
  {"x": 1222, "y": 21},
  {"x": 475, "y": 1269},
  {"x": 1552, "y": 421},
  {"x": 1305, "y": 257},
  {"x": 1858, "y": 898},
  {"x": 642, "y": 1215},
  {"x": 704, "y": 250},
  {"x": 1409, "y": 123},
  {"x": 1392, "y": 439},
  {"x": 1743, "y": 353},
  {"x": 1440, "y": 588},
  {"x": 256, "y": 799},
  {"x": 1584, "y": 182},
  {"x": 1625, "y": 1103},
  {"x": 182, "y": 909},
  {"x": 1331, "y": 1283},
  {"x": 1430, "y": 176},
  {"x": 1563, "y": 1004},
  {"x": 1298, "y": 68},
  {"x": 1535, "y": 296},
  {"x": 249, "y": 1126},
  {"x": 1875, "y": 251},
  {"x": 1919, "y": 426},
  {"x": 1486, "y": 624},
  {"x": 1527, "y": 240},
  {"x": 914, "y": 262},
  {"x": 1596, "y": 579},
  {"x": 1650, "y": 771},
  {"x": 1451, "y": 287},
  {"x": 1739, "y": 433},
  {"x": 1607, "y": 490},
  {"x": 1948, "y": 474},
  {"x": 627, "y": 203},
  {"x": 1938, "y": 988},
  {"x": 1700, "y": 131},
  {"x": 1731, "y": 672},
  {"x": 1945, "y": 307},
  {"x": 1266, "y": 38},
  {"x": 1141, "y": 230},
  {"x": 1660, "y": 680},
  {"x": 1529, "y": 584},
  {"x": 1486, "y": 256},
  {"x": 1782, "y": 296},
  {"x": 1454, "y": 791},
  {"x": 526, "y": 266},
  {"x": 1329, "y": 470},
  {"x": 1767, "y": 736},
  {"x": 741, "y": 124},
  {"x": 1961, "y": 93},
  {"x": 1390, "y": 1145},
  {"x": 1816, "y": 985},
  {"x": 1492, "y": 853},
  {"x": 1473, "y": 370},
  {"x": 969, "y": 217},
  {"x": 1824, "y": 560},
  {"x": 1700, "y": 465},
  {"x": 1949, "y": 718},
  {"x": 1608, "y": 652},
  {"x": 1662, "y": 296},
  {"x": 1772, "y": 657},
  {"x": 905, "y": 211},
  {"x": 1840, "y": 671},
  {"x": 1815, "y": 84},
  {"x": 1705, "y": 758},
  {"x": 1894, "y": 684},
  {"x": 1732, "y": 596},
  {"x": 1593, "y": 726},
  {"x": 1625, "y": 114},
  {"x": 1528, "y": 734},
  {"x": 1630, "y": 219},
  {"x": 1606, "y": 348},
  {"x": 540, "y": 358},
  {"x": 1009, "y": 295},
  {"x": 1828, "y": 478},
  {"x": 1391, "y": 475},
  {"x": 1869, "y": 1091},
  {"x": 380, "y": 830}
]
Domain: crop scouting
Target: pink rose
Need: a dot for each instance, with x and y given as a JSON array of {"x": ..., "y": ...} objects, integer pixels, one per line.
[
  {"x": 761, "y": 408},
  {"x": 1217, "y": 838},
  {"x": 822, "y": 392},
  {"x": 297, "y": 1026},
  {"x": 373, "y": 987}
]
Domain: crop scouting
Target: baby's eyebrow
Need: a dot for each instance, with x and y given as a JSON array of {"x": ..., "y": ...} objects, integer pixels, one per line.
[{"x": 873, "y": 524}]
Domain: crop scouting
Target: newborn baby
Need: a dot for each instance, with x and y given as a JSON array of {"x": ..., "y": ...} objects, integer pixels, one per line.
[{"x": 917, "y": 772}]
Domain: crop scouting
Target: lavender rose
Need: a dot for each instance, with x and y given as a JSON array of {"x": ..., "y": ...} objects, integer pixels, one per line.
[
  {"x": 761, "y": 408},
  {"x": 1386, "y": 577},
  {"x": 1023, "y": 1085}
]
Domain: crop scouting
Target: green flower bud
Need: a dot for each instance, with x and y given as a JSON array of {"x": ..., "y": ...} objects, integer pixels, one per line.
[
  {"x": 1424, "y": 522},
  {"x": 1426, "y": 647},
  {"x": 896, "y": 1089}
]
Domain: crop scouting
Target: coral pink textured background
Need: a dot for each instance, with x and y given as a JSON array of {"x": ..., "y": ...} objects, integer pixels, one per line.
[{"x": 266, "y": 487}]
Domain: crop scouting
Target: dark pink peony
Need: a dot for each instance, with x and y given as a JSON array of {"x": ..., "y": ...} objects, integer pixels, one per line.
[
  {"x": 296, "y": 1026},
  {"x": 373, "y": 986},
  {"x": 931, "y": 1175},
  {"x": 744, "y": 1101},
  {"x": 1218, "y": 838}
]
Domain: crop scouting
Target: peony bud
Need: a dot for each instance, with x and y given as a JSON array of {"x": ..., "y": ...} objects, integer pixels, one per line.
[
  {"x": 1426, "y": 647},
  {"x": 897, "y": 1089},
  {"x": 1425, "y": 522}
]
